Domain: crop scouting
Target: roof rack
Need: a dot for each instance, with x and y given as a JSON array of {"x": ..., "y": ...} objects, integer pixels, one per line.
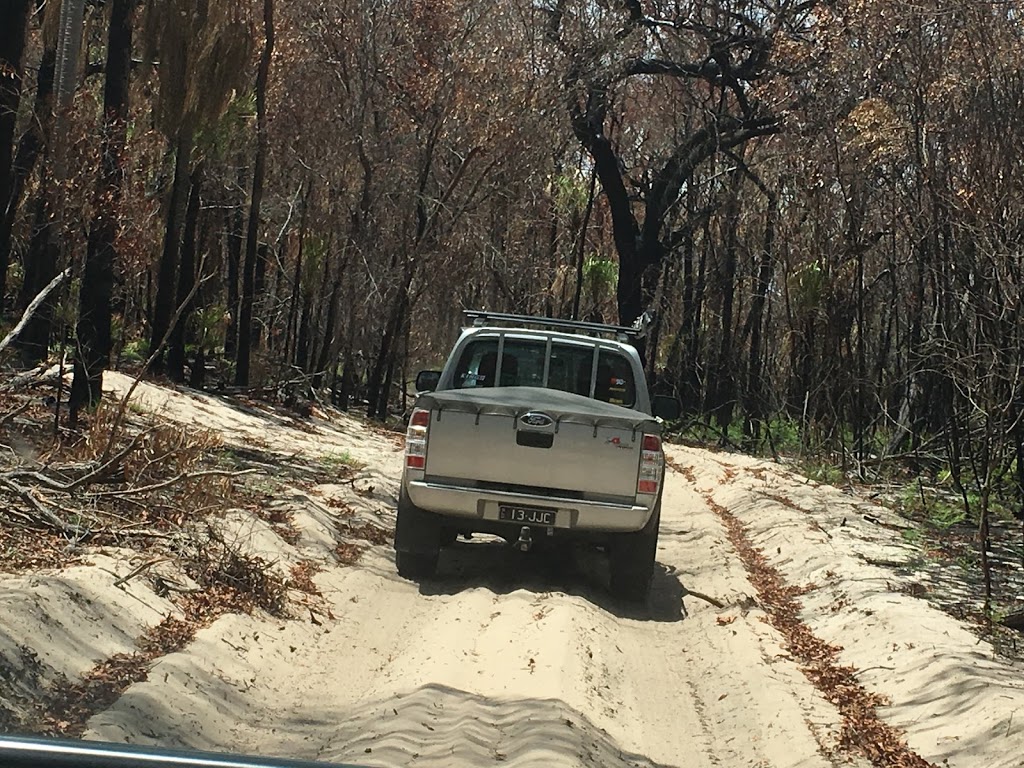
[{"x": 623, "y": 333}]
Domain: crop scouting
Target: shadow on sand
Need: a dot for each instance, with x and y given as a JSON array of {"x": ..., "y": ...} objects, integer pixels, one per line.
[{"x": 579, "y": 570}]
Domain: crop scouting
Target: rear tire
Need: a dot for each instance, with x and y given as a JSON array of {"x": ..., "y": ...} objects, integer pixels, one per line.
[
  {"x": 416, "y": 565},
  {"x": 631, "y": 560},
  {"x": 417, "y": 540}
]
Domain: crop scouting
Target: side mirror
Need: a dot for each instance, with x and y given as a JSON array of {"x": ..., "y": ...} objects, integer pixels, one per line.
[
  {"x": 427, "y": 381},
  {"x": 666, "y": 407}
]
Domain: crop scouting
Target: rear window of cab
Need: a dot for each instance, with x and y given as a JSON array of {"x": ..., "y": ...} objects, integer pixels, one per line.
[{"x": 569, "y": 368}]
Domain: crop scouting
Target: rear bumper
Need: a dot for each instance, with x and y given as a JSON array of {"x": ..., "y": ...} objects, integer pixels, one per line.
[{"x": 482, "y": 505}]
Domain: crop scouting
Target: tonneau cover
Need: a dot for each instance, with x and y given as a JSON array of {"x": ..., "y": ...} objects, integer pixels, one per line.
[{"x": 563, "y": 407}]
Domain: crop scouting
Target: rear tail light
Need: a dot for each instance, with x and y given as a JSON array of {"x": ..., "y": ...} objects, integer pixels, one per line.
[
  {"x": 652, "y": 463},
  {"x": 416, "y": 439}
]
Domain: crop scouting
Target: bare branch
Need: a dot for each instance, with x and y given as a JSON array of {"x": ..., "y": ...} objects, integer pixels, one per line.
[
  {"x": 173, "y": 481},
  {"x": 32, "y": 307},
  {"x": 15, "y": 413},
  {"x": 706, "y": 70},
  {"x": 47, "y": 517}
]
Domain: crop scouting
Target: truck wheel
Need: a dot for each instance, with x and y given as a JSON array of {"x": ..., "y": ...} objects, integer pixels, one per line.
[
  {"x": 417, "y": 540},
  {"x": 416, "y": 565},
  {"x": 631, "y": 560}
]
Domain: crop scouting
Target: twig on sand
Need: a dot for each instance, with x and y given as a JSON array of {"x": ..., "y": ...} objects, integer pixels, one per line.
[
  {"x": 702, "y": 596},
  {"x": 139, "y": 569}
]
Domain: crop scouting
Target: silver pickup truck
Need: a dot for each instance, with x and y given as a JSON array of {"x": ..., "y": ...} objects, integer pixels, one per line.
[{"x": 536, "y": 430}]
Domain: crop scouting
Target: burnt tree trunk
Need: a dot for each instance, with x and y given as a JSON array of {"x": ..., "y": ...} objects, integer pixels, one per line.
[
  {"x": 259, "y": 292},
  {"x": 377, "y": 385},
  {"x": 290, "y": 329},
  {"x": 319, "y": 309},
  {"x": 186, "y": 279},
  {"x": 31, "y": 145},
  {"x": 302, "y": 340},
  {"x": 234, "y": 220},
  {"x": 245, "y": 328},
  {"x": 328, "y": 349},
  {"x": 12, "y": 48},
  {"x": 392, "y": 357},
  {"x": 641, "y": 245},
  {"x": 40, "y": 269},
  {"x": 722, "y": 385},
  {"x": 756, "y": 406},
  {"x": 167, "y": 272},
  {"x": 92, "y": 353}
]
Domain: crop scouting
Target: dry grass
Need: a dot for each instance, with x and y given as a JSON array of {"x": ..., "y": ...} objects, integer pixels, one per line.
[{"x": 84, "y": 488}]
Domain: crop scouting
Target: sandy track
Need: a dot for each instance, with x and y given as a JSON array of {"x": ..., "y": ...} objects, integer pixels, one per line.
[
  {"x": 524, "y": 660},
  {"x": 503, "y": 658}
]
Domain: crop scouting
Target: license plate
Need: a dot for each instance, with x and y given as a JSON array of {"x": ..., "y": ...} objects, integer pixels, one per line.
[{"x": 527, "y": 515}]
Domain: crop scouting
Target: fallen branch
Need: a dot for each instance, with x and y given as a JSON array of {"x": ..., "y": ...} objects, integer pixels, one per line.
[
  {"x": 32, "y": 307},
  {"x": 174, "y": 481},
  {"x": 891, "y": 526},
  {"x": 26, "y": 377},
  {"x": 36, "y": 477},
  {"x": 49, "y": 518},
  {"x": 15, "y": 413},
  {"x": 122, "y": 407}
]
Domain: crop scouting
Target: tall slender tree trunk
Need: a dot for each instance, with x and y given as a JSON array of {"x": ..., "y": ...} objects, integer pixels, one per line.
[
  {"x": 167, "y": 272},
  {"x": 329, "y": 346},
  {"x": 318, "y": 310},
  {"x": 186, "y": 279},
  {"x": 32, "y": 143},
  {"x": 40, "y": 268},
  {"x": 69, "y": 47},
  {"x": 755, "y": 390},
  {"x": 302, "y": 341},
  {"x": 259, "y": 292},
  {"x": 291, "y": 330},
  {"x": 581, "y": 250},
  {"x": 384, "y": 396},
  {"x": 12, "y": 48},
  {"x": 92, "y": 354},
  {"x": 722, "y": 394},
  {"x": 377, "y": 388},
  {"x": 245, "y": 330},
  {"x": 234, "y": 220}
]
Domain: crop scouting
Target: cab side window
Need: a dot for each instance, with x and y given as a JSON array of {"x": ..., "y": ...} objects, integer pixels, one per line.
[{"x": 615, "y": 382}]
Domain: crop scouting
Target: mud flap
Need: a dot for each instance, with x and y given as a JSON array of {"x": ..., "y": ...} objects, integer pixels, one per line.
[{"x": 416, "y": 530}]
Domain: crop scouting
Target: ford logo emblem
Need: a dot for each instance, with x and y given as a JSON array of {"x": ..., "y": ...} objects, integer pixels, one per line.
[{"x": 534, "y": 419}]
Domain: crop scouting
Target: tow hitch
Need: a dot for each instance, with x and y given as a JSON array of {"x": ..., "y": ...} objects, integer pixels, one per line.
[{"x": 525, "y": 539}]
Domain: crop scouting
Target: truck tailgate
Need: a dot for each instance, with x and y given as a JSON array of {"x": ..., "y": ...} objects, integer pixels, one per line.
[{"x": 535, "y": 439}]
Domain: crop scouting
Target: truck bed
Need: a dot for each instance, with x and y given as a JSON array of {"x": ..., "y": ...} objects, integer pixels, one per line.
[{"x": 535, "y": 438}]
